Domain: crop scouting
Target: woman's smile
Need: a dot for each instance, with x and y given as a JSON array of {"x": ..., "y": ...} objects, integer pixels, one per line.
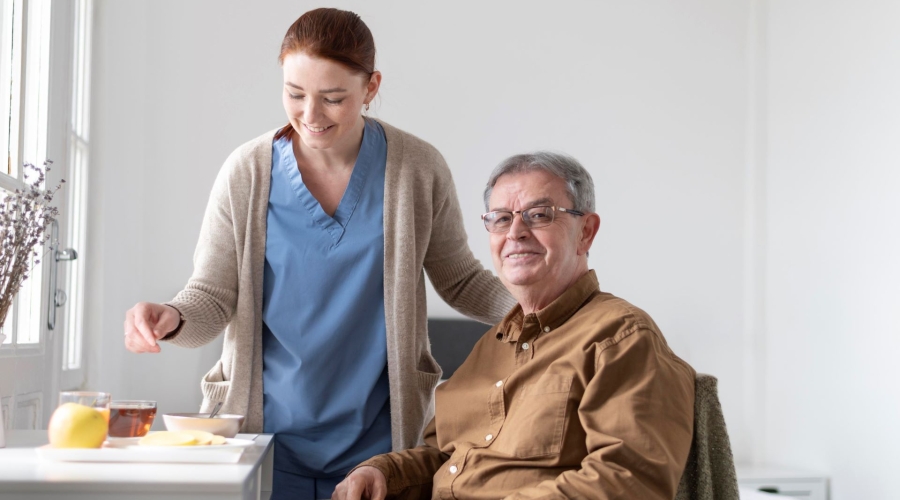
[{"x": 317, "y": 130}]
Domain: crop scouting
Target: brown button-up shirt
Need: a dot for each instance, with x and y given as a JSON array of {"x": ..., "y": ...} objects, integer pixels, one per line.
[{"x": 582, "y": 399}]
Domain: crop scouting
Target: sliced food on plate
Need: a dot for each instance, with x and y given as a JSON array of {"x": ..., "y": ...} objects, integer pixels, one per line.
[{"x": 181, "y": 438}]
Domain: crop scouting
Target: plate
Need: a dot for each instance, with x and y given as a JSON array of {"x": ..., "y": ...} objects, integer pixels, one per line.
[{"x": 127, "y": 450}]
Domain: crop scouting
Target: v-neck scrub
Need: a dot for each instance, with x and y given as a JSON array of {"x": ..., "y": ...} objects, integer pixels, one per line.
[
  {"x": 423, "y": 232},
  {"x": 325, "y": 379}
]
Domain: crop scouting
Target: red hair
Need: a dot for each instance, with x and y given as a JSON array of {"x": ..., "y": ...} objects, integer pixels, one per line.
[{"x": 333, "y": 34}]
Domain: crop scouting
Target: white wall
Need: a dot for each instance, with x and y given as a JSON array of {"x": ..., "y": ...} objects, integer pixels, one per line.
[
  {"x": 833, "y": 399},
  {"x": 651, "y": 96}
]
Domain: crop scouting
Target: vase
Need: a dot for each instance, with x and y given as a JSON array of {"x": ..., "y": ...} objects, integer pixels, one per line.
[{"x": 2, "y": 423}]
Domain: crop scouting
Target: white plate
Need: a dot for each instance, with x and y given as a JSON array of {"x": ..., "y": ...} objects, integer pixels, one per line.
[{"x": 127, "y": 450}]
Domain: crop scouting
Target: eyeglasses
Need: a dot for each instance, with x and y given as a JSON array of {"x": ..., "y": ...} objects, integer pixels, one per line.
[{"x": 499, "y": 221}]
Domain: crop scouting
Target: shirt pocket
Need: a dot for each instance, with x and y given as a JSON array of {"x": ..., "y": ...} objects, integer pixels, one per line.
[{"x": 536, "y": 421}]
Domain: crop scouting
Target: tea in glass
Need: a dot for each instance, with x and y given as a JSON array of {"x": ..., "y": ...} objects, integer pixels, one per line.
[
  {"x": 131, "y": 418},
  {"x": 96, "y": 400}
]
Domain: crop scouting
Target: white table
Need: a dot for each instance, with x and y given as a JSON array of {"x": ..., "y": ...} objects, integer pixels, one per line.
[
  {"x": 789, "y": 483},
  {"x": 25, "y": 476}
]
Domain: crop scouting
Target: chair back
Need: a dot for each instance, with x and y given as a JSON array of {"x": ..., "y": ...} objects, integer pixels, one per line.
[{"x": 709, "y": 473}]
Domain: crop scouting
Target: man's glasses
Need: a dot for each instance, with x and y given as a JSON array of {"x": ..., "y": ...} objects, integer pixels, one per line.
[{"x": 499, "y": 221}]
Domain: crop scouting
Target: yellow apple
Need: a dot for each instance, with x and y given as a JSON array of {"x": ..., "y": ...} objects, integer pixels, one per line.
[{"x": 77, "y": 426}]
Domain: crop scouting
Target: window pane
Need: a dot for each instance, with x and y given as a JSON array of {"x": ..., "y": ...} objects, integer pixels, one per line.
[
  {"x": 8, "y": 14},
  {"x": 75, "y": 269},
  {"x": 28, "y": 319},
  {"x": 81, "y": 69},
  {"x": 34, "y": 142},
  {"x": 77, "y": 187},
  {"x": 37, "y": 71}
]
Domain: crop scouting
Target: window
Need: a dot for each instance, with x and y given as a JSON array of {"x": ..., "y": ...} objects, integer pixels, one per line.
[
  {"x": 24, "y": 81},
  {"x": 44, "y": 103}
]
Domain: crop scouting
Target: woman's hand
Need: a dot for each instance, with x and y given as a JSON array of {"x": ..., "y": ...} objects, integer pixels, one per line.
[
  {"x": 365, "y": 482},
  {"x": 146, "y": 322}
]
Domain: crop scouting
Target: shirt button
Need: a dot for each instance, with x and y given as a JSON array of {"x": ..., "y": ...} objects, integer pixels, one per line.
[
  {"x": 489, "y": 437},
  {"x": 499, "y": 383},
  {"x": 453, "y": 469},
  {"x": 546, "y": 328},
  {"x": 524, "y": 346}
]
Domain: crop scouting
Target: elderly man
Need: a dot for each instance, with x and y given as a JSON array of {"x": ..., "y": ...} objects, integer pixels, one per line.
[{"x": 575, "y": 394}]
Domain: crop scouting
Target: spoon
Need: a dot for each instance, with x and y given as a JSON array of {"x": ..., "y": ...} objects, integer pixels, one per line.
[{"x": 215, "y": 410}]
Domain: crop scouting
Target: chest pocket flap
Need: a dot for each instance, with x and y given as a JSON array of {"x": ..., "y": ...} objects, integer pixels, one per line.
[{"x": 537, "y": 418}]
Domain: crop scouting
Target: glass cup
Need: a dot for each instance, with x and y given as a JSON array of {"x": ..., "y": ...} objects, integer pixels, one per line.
[
  {"x": 131, "y": 418},
  {"x": 96, "y": 400}
]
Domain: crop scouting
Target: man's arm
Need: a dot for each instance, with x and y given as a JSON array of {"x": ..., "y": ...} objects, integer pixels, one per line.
[
  {"x": 408, "y": 474},
  {"x": 638, "y": 413}
]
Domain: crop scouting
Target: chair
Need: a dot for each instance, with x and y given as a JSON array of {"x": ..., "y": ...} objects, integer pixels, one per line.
[{"x": 709, "y": 473}]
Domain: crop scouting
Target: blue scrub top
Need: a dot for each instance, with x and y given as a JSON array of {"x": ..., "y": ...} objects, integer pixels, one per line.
[{"x": 325, "y": 382}]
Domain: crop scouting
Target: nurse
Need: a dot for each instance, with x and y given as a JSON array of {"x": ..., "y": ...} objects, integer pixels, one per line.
[{"x": 311, "y": 260}]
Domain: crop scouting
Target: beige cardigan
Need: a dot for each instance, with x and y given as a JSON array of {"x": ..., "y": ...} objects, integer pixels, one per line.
[{"x": 423, "y": 228}]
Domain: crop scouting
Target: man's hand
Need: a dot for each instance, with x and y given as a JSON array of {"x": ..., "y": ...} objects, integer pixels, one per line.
[
  {"x": 145, "y": 323},
  {"x": 365, "y": 482}
]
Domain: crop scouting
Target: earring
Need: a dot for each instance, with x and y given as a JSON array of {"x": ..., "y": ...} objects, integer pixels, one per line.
[{"x": 367, "y": 106}]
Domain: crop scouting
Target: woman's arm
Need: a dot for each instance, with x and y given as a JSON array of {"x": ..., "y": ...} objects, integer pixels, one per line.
[
  {"x": 209, "y": 299},
  {"x": 457, "y": 276}
]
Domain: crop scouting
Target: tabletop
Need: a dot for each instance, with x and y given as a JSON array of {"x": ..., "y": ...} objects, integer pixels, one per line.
[{"x": 24, "y": 475}]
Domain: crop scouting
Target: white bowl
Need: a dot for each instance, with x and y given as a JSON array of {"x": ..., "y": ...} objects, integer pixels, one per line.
[{"x": 222, "y": 424}]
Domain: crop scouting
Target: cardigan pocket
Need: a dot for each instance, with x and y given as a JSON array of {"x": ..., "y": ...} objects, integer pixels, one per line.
[
  {"x": 214, "y": 386},
  {"x": 428, "y": 372}
]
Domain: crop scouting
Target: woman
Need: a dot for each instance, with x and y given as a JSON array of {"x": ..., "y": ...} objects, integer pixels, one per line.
[{"x": 311, "y": 259}]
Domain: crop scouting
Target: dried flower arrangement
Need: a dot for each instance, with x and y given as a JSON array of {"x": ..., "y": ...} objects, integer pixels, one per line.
[{"x": 24, "y": 217}]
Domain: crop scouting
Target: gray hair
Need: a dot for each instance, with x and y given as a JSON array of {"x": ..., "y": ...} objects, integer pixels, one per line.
[{"x": 579, "y": 184}]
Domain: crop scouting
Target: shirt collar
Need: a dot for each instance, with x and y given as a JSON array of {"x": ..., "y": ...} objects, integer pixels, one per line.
[{"x": 552, "y": 316}]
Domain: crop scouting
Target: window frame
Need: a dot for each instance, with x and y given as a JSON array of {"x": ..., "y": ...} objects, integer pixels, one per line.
[{"x": 62, "y": 71}]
